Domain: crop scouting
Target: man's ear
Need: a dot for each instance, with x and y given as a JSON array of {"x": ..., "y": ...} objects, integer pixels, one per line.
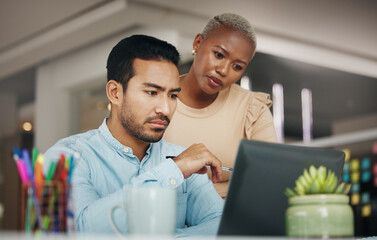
[
  {"x": 197, "y": 41},
  {"x": 114, "y": 91}
]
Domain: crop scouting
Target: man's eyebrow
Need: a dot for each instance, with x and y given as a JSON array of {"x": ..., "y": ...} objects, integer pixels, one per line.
[
  {"x": 226, "y": 52},
  {"x": 148, "y": 84},
  {"x": 175, "y": 90}
]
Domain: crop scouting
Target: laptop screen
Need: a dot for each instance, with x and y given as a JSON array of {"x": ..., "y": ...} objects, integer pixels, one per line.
[{"x": 256, "y": 204}]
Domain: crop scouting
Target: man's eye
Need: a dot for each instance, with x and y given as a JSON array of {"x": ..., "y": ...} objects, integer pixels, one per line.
[
  {"x": 173, "y": 96},
  {"x": 151, "y": 92},
  {"x": 219, "y": 55},
  {"x": 237, "y": 67}
]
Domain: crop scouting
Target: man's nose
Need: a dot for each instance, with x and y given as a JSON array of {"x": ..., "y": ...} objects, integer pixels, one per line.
[{"x": 163, "y": 106}]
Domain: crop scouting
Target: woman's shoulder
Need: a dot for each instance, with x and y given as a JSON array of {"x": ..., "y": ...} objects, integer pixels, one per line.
[{"x": 254, "y": 98}]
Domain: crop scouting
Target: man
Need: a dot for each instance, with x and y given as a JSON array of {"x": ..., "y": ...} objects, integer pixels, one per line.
[{"x": 127, "y": 150}]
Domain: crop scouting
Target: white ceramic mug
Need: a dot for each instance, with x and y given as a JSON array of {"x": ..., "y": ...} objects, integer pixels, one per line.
[{"x": 149, "y": 211}]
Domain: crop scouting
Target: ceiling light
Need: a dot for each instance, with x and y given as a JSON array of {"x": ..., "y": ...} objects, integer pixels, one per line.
[{"x": 27, "y": 126}]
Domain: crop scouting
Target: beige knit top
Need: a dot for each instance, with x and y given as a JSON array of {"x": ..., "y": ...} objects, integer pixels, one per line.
[{"x": 235, "y": 114}]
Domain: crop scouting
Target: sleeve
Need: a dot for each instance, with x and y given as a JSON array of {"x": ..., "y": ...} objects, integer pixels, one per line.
[
  {"x": 91, "y": 209},
  {"x": 89, "y": 206},
  {"x": 204, "y": 208},
  {"x": 259, "y": 124}
]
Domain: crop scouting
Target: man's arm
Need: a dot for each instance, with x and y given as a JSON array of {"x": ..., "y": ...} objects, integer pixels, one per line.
[
  {"x": 204, "y": 208},
  {"x": 91, "y": 209},
  {"x": 204, "y": 205}
]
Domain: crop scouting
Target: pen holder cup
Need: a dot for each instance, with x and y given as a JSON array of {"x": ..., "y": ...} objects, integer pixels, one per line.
[{"x": 45, "y": 207}]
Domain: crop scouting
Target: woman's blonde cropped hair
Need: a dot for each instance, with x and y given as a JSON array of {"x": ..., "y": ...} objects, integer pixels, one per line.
[{"x": 233, "y": 21}]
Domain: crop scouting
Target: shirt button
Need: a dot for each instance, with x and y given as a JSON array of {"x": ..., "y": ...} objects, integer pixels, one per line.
[
  {"x": 126, "y": 150},
  {"x": 172, "y": 181}
]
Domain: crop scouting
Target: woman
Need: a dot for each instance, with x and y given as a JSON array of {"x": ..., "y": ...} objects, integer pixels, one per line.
[{"x": 211, "y": 108}]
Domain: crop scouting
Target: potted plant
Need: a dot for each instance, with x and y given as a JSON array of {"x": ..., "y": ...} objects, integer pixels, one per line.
[{"x": 319, "y": 206}]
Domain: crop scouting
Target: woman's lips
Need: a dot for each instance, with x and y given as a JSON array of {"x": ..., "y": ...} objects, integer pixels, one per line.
[{"x": 214, "y": 82}]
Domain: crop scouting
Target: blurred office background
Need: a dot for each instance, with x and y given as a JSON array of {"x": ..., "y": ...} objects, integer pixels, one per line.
[{"x": 53, "y": 72}]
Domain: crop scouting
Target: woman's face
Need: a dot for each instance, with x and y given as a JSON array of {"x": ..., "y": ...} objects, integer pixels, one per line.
[{"x": 221, "y": 58}]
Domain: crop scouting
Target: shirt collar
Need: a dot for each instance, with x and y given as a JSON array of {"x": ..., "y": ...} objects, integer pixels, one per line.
[{"x": 104, "y": 130}]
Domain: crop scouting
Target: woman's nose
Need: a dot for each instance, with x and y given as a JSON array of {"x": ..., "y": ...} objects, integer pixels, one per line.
[{"x": 223, "y": 68}]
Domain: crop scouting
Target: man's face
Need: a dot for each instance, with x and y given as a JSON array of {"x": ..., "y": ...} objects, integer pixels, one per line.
[{"x": 150, "y": 99}]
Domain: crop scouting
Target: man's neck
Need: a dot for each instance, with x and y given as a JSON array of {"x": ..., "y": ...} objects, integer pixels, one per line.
[{"x": 138, "y": 146}]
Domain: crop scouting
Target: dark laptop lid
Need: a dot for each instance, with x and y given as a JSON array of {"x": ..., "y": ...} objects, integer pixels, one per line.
[{"x": 256, "y": 204}]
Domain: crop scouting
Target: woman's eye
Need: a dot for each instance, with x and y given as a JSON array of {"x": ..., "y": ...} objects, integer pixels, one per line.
[
  {"x": 219, "y": 55},
  {"x": 237, "y": 67}
]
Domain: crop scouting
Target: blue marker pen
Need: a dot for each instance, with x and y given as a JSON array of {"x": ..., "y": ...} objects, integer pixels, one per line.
[
  {"x": 29, "y": 169},
  {"x": 17, "y": 151}
]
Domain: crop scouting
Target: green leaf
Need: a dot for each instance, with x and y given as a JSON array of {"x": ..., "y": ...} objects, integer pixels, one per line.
[
  {"x": 299, "y": 184},
  {"x": 318, "y": 180},
  {"x": 307, "y": 176},
  {"x": 322, "y": 173},
  {"x": 329, "y": 179},
  {"x": 339, "y": 189},
  {"x": 334, "y": 183},
  {"x": 304, "y": 183},
  {"x": 331, "y": 183},
  {"x": 315, "y": 187},
  {"x": 289, "y": 193},
  {"x": 347, "y": 189},
  {"x": 313, "y": 172},
  {"x": 300, "y": 190}
]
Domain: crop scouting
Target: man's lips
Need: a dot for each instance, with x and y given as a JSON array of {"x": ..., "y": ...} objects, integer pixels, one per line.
[
  {"x": 215, "y": 82},
  {"x": 159, "y": 123}
]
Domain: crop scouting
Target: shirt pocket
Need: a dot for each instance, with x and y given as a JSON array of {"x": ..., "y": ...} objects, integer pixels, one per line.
[{"x": 181, "y": 209}]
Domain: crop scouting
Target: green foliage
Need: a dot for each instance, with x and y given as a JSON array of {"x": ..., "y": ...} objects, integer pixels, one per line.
[{"x": 317, "y": 181}]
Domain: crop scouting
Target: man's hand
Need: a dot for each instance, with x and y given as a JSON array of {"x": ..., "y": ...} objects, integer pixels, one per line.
[{"x": 194, "y": 160}]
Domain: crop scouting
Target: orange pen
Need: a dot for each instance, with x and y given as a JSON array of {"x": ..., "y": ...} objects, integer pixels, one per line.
[{"x": 38, "y": 175}]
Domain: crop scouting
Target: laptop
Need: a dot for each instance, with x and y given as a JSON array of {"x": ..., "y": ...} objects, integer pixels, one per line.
[{"x": 256, "y": 203}]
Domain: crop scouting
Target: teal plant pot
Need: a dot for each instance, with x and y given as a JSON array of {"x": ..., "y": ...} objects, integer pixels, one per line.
[{"x": 319, "y": 215}]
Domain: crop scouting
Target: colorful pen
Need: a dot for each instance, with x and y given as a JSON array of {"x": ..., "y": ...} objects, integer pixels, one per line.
[
  {"x": 29, "y": 205},
  {"x": 38, "y": 174},
  {"x": 27, "y": 161},
  {"x": 71, "y": 165},
  {"x": 34, "y": 156},
  {"x": 20, "y": 165},
  {"x": 22, "y": 171},
  {"x": 59, "y": 168},
  {"x": 17, "y": 151},
  {"x": 51, "y": 171},
  {"x": 26, "y": 173}
]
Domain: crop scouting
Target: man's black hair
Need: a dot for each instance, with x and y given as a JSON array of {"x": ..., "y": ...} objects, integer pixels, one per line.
[{"x": 122, "y": 56}]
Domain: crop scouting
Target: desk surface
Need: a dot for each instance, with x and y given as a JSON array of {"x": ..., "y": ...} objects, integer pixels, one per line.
[{"x": 22, "y": 236}]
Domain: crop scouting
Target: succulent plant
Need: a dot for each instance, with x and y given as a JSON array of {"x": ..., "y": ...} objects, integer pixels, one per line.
[{"x": 317, "y": 181}]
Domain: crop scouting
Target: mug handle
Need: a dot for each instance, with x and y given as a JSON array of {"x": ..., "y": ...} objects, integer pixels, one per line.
[{"x": 110, "y": 217}]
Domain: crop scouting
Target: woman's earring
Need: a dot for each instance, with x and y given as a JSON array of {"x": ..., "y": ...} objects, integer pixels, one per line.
[{"x": 193, "y": 53}]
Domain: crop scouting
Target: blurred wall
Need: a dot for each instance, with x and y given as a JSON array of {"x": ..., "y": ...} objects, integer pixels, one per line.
[{"x": 58, "y": 79}]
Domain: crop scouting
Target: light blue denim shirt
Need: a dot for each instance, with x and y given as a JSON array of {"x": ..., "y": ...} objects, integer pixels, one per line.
[{"x": 106, "y": 168}]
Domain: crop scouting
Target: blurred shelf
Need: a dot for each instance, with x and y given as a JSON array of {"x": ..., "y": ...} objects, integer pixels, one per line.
[{"x": 341, "y": 139}]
